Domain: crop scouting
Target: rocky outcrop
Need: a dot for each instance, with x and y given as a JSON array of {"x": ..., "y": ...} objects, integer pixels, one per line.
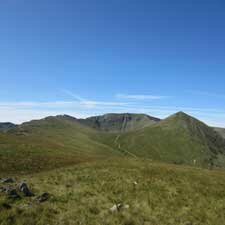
[
  {"x": 113, "y": 122},
  {"x": 25, "y": 190}
]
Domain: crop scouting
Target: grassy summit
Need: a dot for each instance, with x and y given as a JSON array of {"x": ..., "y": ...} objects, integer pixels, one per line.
[{"x": 179, "y": 139}]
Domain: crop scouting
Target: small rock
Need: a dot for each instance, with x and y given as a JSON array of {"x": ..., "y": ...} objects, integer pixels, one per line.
[
  {"x": 42, "y": 198},
  {"x": 114, "y": 209},
  {"x": 118, "y": 207},
  {"x": 2, "y": 189},
  {"x": 7, "y": 180},
  {"x": 135, "y": 183},
  {"x": 12, "y": 193},
  {"x": 26, "y": 191}
]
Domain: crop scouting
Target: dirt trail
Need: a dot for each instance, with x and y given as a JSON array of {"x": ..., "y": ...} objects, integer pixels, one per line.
[{"x": 116, "y": 142}]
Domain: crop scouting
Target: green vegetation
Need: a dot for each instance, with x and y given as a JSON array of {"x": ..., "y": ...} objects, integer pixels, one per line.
[
  {"x": 156, "y": 193},
  {"x": 63, "y": 140},
  {"x": 49, "y": 143},
  {"x": 178, "y": 139},
  {"x": 87, "y": 171}
]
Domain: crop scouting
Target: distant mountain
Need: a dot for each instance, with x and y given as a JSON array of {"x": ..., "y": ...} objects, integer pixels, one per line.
[
  {"x": 49, "y": 143},
  {"x": 221, "y": 131},
  {"x": 58, "y": 141},
  {"x": 179, "y": 138},
  {"x": 6, "y": 126},
  {"x": 119, "y": 122}
]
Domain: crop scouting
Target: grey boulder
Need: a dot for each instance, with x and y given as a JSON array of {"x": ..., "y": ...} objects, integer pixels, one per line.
[
  {"x": 25, "y": 190},
  {"x": 43, "y": 197}
]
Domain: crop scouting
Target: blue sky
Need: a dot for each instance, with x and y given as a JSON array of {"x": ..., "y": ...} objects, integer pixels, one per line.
[{"x": 89, "y": 57}]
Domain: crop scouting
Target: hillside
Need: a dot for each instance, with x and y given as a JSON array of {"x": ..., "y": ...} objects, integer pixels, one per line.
[
  {"x": 49, "y": 143},
  {"x": 154, "y": 194},
  {"x": 113, "y": 122},
  {"x": 63, "y": 140},
  {"x": 6, "y": 126},
  {"x": 221, "y": 131},
  {"x": 179, "y": 139}
]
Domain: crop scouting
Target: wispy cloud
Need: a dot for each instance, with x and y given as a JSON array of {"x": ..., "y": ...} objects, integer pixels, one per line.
[
  {"x": 90, "y": 103},
  {"x": 18, "y": 112},
  {"x": 35, "y": 104},
  {"x": 19, "y": 115},
  {"x": 138, "y": 97},
  {"x": 74, "y": 96},
  {"x": 80, "y": 107}
]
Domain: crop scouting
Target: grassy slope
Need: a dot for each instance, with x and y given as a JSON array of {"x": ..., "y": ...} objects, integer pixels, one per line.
[
  {"x": 62, "y": 140},
  {"x": 49, "y": 143},
  {"x": 179, "y": 139},
  {"x": 164, "y": 195}
]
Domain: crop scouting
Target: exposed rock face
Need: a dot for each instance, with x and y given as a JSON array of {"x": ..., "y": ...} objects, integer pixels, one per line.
[
  {"x": 221, "y": 131},
  {"x": 119, "y": 122},
  {"x": 25, "y": 190}
]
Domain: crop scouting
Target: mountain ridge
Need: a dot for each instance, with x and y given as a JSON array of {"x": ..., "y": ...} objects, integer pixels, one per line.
[
  {"x": 179, "y": 138},
  {"x": 5, "y": 126},
  {"x": 61, "y": 140},
  {"x": 122, "y": 122}
]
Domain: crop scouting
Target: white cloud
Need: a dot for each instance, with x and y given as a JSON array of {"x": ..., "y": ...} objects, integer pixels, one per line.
[
  {"x": 79, "y": 107},
  {"x": 140, "y": 97},
  {"x": 22, "y": 115},
  {"x": 35, "y": 104}
]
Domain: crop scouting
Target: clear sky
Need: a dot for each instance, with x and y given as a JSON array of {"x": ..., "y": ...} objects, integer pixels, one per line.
[{"x": 88, "y": 57}]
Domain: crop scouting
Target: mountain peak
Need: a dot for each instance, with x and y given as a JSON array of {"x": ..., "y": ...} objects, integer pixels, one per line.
[
  {"x": 65, "y": 116},
  {"x": 119, "y": 122},
  {"x": 182, "y": 116},
  {"x": 183, "y": 120}
]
